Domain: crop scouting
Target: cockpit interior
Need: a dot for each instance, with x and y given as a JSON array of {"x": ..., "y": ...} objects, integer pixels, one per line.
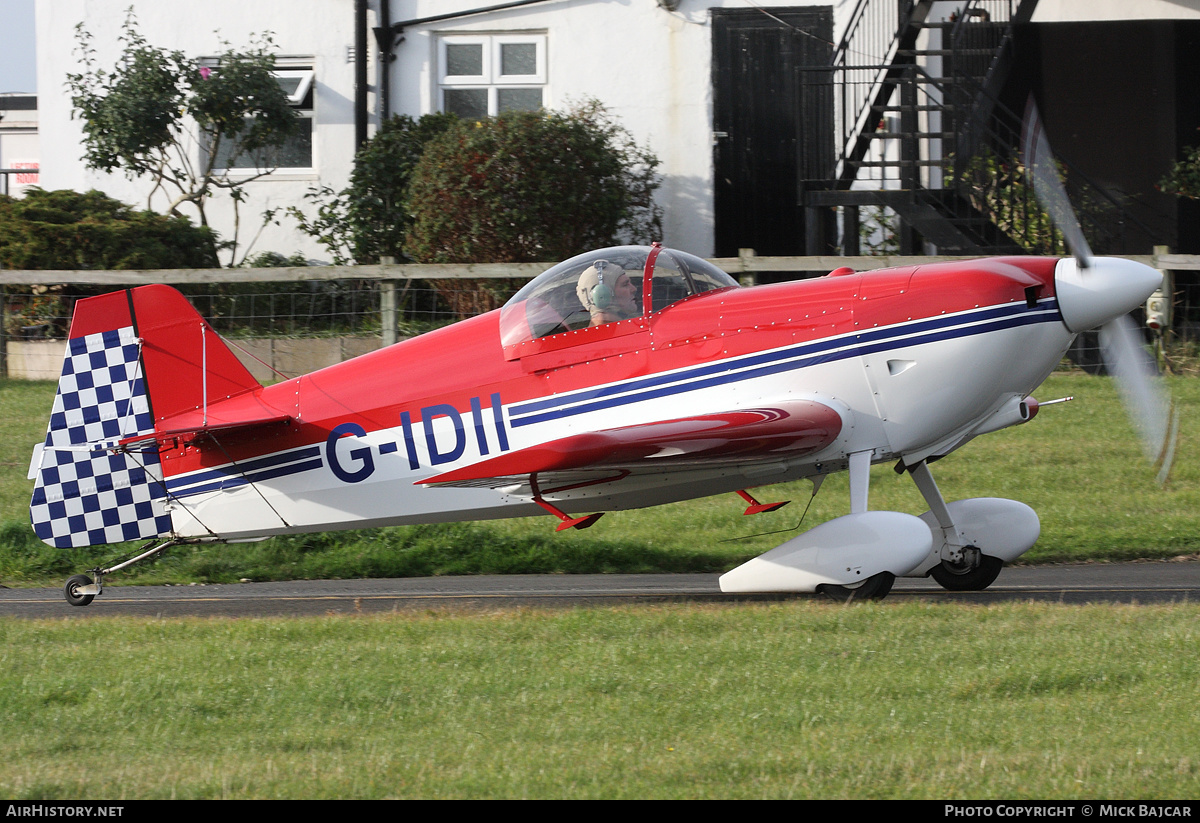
[{"x": 622, "y": 284}]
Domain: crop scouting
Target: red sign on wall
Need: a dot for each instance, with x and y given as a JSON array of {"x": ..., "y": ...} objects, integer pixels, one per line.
[{"x": 26, "y": 179}]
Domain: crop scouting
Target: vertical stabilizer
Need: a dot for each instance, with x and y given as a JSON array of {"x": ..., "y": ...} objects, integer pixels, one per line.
[
  {"x": 85, "y": 492},
  {"x": 134, "y": 358}
]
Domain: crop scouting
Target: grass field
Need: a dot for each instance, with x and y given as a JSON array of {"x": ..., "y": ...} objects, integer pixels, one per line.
[
  {"x": 800, "y": 700},
  {"x": 805, "y": 699}
]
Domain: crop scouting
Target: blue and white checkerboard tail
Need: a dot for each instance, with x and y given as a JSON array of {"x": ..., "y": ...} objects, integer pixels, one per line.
[{"x": 87, "y": 492}]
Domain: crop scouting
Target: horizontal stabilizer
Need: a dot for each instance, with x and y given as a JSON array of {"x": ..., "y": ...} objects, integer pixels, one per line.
[{"x": 189, "y": 434}]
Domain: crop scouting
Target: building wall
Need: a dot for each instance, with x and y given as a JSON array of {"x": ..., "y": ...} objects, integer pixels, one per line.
[
  {"x": 318, "y": 29},
  {"x": 650, "y": 67},
  {"x": 1078, "y": 11}
]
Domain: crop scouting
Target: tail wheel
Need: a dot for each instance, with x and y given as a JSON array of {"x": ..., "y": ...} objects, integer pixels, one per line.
[
  {"x": 967, "y": 578},
  {"x": 71, "y": 590},
  {"x": 874, "y": 587}
]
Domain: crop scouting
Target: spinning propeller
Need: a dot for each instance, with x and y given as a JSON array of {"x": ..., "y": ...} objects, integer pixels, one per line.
[{"x": 1101, "y": 291}]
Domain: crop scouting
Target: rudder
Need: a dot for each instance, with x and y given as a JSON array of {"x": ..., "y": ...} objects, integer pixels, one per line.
[{"x": 133, "y": 358}]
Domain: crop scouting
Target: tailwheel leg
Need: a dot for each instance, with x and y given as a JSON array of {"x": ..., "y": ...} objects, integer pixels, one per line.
[
  {"x": 81, "y": 589},
  {"x": 758, "y": 508}
]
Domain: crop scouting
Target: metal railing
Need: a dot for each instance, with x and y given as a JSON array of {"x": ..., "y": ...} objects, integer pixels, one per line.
[
  {"x": 864, "y": 60},
  {"x": 881, "y": 41},
  {"x": 5, "y": 186},
  {"x": 916, "y": 112}
]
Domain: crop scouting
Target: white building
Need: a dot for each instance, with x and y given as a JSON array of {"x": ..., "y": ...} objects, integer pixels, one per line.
[
  {"x": 18, "y": 143},
  {"x": 648, "y": 64},
  {"x": 659, "y": 66}
]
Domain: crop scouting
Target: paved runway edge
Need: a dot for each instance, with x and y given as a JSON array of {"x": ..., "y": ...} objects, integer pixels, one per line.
[{"x": 1133, "y": 582}]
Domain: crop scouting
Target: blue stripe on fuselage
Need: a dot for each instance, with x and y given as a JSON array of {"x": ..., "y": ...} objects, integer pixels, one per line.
[
  {"x": 235, "y": 474},
  {"x": 783, "y": 360}
]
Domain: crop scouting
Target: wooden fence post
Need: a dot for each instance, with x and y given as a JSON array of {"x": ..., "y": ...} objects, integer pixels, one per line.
[{"x": 387, "y": 305}]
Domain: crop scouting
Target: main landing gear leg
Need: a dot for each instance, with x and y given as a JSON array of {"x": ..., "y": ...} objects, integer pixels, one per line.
[
  {"x": 877, "y": 586},
  {"x": 963, "y": 568}
]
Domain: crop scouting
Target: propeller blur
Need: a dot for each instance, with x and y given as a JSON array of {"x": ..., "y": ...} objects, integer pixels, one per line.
[{"x": 1092, "y": 294}]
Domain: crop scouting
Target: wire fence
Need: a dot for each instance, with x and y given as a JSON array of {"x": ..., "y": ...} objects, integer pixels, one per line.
[
  {"x": 313, "y": 309},
  {"x": 377, "y": 308}
]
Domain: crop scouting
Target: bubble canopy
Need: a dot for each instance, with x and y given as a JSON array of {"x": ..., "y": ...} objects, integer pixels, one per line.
[{"x": 616, "y": 289}]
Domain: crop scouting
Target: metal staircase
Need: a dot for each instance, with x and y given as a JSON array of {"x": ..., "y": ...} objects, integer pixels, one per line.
[{"x": 921, "y": 135}]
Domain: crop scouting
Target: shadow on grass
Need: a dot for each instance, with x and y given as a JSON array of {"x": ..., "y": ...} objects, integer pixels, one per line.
[{"x": 413, "y": 551}]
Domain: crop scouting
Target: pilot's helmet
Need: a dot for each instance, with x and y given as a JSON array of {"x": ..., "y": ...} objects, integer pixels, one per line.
[{"x": 595, "y": 289}]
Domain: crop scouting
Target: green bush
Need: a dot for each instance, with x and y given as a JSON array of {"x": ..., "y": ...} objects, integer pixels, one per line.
[
  {"x": 275, "y": 260},
  {"x": 1183, "y": 180},
  {"x": 369, "y": 218},
  {"x": 530, "y": 187},
  {"x": 68, "y": 230}
]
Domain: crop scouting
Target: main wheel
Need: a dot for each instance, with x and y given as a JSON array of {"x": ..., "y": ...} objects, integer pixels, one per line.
[
  {"x": 71, "y": 590},
  {"x": 963, "y": 578},
  {"x": 874, "y": 587}
]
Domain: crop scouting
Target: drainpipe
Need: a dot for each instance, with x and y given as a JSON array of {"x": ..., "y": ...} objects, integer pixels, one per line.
[
  {"x": 360, "y": 73},
  {"x": 386, "y": 57}
]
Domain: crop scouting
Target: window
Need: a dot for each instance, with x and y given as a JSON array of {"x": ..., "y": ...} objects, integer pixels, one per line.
[
  {"x": 484, "y": 75},
  {"x": 296, "y": 154}
]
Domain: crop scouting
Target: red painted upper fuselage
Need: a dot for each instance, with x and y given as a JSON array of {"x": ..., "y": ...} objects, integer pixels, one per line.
[{"x": 459, "y": 364}]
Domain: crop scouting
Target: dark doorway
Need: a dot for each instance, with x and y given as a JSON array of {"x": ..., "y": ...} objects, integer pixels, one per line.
[
  {"x": 773, "y": 119},
  {"x": 1118, "y": 102}
]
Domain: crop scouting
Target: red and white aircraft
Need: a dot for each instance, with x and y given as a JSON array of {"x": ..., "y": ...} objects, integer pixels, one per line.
[{"x": 622, "y": 378}]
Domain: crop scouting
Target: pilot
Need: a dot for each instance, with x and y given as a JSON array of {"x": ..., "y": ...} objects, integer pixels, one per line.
[{"x": 608, "y": 294}]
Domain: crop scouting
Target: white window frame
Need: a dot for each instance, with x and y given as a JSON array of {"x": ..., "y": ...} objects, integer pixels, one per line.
[
  {"x": 490, "y": 78},
  {"x": 302, "y": 68},
  {"x": 305, "y": 76}
]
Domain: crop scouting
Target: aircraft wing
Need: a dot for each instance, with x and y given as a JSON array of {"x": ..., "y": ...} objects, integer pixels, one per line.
[{"x": 791, "y": 429}]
